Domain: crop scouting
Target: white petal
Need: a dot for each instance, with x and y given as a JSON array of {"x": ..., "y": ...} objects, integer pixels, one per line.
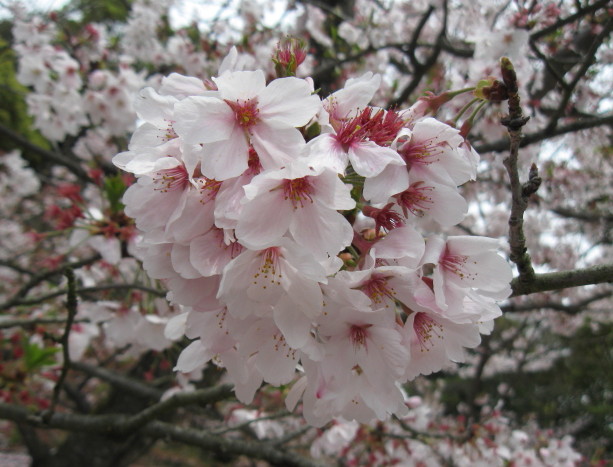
[
  {"x": 369, "y": 159},
  {"x": 288, "y": 100},
  {"x": 203, "y": 120},
  {"x": 195, "y": 355}
]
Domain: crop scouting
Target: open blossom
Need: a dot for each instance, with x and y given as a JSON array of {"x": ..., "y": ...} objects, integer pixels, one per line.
[
  {"x": 465, "y": 262},
  {"x": 362, "y": 140},
  {"x": 281, "y": 281},
  {"x": 247, "y": 112},
  {"x": 300, "y": 200},
  {"x": 431, "y": 153}
]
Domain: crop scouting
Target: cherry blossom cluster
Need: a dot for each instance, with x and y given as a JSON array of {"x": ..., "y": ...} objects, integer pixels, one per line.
[{"x": 299, "y": 235}]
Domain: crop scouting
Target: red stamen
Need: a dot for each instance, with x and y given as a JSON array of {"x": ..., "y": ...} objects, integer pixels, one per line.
[
  {"x": 298, "y": 191},
  {"x": 416, "y": 199}
]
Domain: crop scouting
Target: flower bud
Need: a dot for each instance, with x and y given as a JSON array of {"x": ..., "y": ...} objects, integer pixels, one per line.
[
  {"x": 491, "y": 89},
  {"x": 288, "y": 56}
]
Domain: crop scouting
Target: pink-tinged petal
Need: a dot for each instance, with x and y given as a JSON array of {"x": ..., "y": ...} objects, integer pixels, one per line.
[
  {"x": 157, "y": 261},
  {"x": 393, "y": 179},
  {"x": 241, "y": 85},
  {"x": 434, "y": 248},
  {"x": 229, "y": 62},
  {"x": 154, "y": 108},
  {"x": 201, "y": 120},
  {"x": 179, "y": 257},
  {"x": 289, "y": 101},
  {"x": 301, "y": 260},
  {"x": 194, "y": 292},
  {"x": 448, "y": 207},
  {"x": 356, "y": 94},
  {"x": 276, "y": 144},
  {"x": 195, "y": 218},
  {"x": 181, "y": 86},
  {"x": 212, "y": 327},
  {"x": 294, "y": 324},
  {"x": 325, "y": 151},
  {"x": 277, "y": 363},
  {"x": 295, "y": 393},
  {"x": 228, "y": 202},
  {"x": 471, "y": 245},
  {"x": 486, "y": 271},
  {"x": 305, "y": 294},
  {"x": 226, "y": 159},
  {"x": 369, "y": 159},
  {"x": 321, "y": 230},
  {"x": 387, "y": 341},
  {"x": 175, "y": 328},
  {"x": 332, "y": 192},
  {"x": 151, "y": 208},
  {"x": 209, "y": 254},
  {"x": 403, "y": 242},
  {"x": 264, "y": 220},
  {"x": 194, "y": 356}
]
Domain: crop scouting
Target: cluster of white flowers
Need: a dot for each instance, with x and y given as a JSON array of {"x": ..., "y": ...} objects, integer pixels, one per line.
[{"x": 245, "y": 212}]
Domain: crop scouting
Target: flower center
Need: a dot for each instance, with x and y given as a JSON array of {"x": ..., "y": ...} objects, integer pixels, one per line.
[
  {"x": 422, "y": 152},
  {"x": 171, "y": 179},
  {"x": 384, "y": 217},
  {"x": 378, "y": 289},
  {"x": 455, "y": 264},
  {"x": 269, "y": 271},
  {"x": 415, "y": 199},
  {"x": 209, "y": 187},
  {"x": 425, "y": 329},
  {"x": 358, "y": 335},
  {"x": 381, "y": 128},
  {"x": 246, "y": 112},
  {"x": 298, "y": 191}
]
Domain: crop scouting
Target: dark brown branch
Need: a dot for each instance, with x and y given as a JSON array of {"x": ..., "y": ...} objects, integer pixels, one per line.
[
  {"x": 38, "y": 278},
  {"x": 588, "y": 60},
  {"x": 30, "y": 323},
  {"x": 519, "y": 193},
  {"x": 569, "y": 19},
  {"x": 224, "y": 446},
  {"x": 587, "y": 215},
  {"x": 119, "y": 381},
  {"x": 71, "y": 308},
  {"x": 81, "y": 292},
  {"x": 531, "y": 138},
  {"x": 563, "y": 279},
  {"x": 420, "y": 69},
  {"x": 570, "y": 309},
  {"x": 71, "y": 164},
  {"x": 118, "y": 424}
]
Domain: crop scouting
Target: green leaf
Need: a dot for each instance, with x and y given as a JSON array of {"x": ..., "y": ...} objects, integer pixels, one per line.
[
  {"x": 35, "y": 356},
  {"x": 114, "y": 188}
]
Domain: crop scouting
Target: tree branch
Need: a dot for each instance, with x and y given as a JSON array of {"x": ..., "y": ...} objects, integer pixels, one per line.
[
  {"x": 569, "y": 19},
  {"x": 563, "y": 279},
  {"x": 570, "y": 309},
  {"x": 60, "y": 159},
  {"x": 82, "y": 291},
  {"x": 531, "y": 138},
  {"x": 71, "y": 307},
  {"x": 119, "y": 381},
  {"x": 117, "y": 424},
  {"x": 519, "y": 193}
]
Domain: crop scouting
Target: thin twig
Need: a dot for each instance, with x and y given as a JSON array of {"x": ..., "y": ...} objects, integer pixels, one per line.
[
  {"x": 519, "y": 193},
  {"x": 71, "y": 307}
]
